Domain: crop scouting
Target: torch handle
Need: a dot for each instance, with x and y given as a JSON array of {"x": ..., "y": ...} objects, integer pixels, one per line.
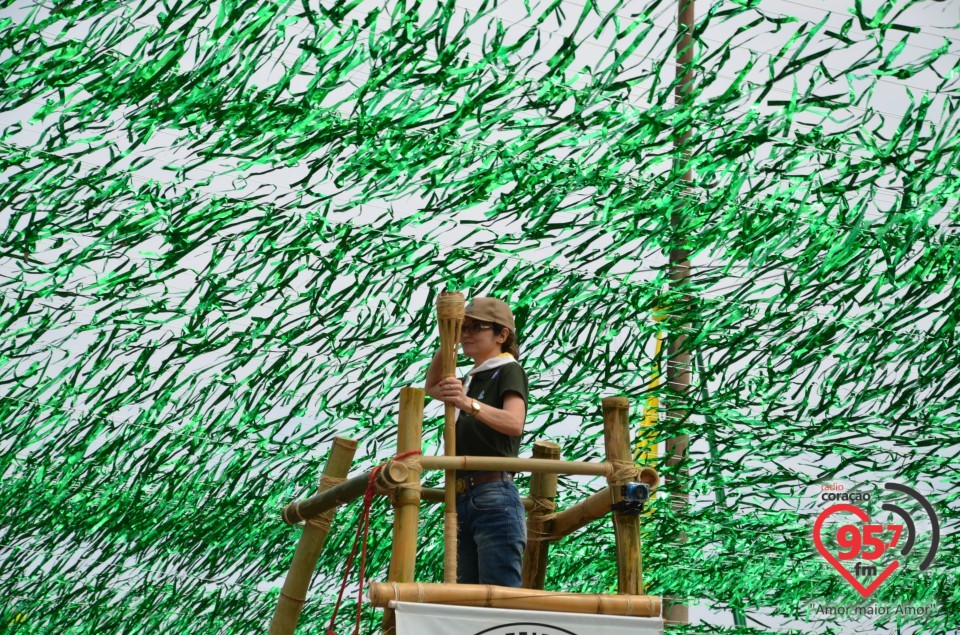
[{"x": 450, "y": 311}]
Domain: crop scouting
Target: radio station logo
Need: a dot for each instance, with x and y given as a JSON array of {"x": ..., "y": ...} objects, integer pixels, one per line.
[{"x": 866, "y": 552}]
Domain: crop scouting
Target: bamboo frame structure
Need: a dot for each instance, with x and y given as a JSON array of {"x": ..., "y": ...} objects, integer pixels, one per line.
[
  {"x": 591, "y": 508},
  {"x": 382, "y": 593},
  {"x": 450, "y": 313},
  {"x": 626, "y": 527},
  {"x": 406, "y": 505},
  {"x": 401, "y": 479},
  {"x": 543, "y": 491},
  {"x": 293, "y": 595}
]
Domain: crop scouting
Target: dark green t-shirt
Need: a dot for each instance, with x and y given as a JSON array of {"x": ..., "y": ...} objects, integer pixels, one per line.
[{"x": 475, "y": 438}]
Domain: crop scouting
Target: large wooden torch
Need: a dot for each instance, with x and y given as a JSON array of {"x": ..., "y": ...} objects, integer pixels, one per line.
[{"x": 450, "y": 308}]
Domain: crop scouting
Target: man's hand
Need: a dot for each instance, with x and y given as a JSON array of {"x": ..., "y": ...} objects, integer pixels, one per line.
[{"x": 450, "y": 390}]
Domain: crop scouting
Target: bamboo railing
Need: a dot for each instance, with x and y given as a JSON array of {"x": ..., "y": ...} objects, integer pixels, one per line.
[
  {"x": 382, "y": 593},
  {"x": 401, "y": 480}
]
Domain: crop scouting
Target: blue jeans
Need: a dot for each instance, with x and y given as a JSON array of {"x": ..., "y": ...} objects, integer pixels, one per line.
[{"x": 492, "y": 533}]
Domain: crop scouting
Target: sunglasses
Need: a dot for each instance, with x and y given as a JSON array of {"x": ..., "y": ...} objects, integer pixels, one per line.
[{"x": 474, "y": 327}]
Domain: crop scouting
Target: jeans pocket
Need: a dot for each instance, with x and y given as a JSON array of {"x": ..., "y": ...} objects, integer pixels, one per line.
[{"x": 488, "y": 497}]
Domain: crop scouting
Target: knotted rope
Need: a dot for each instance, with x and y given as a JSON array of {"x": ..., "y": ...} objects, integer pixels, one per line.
[
  {"x": 411, "y": 461},
  {"x": 623, "y": 472}
]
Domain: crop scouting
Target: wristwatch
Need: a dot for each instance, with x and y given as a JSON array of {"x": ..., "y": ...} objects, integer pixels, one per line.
[{"x": 474, "y": 407}]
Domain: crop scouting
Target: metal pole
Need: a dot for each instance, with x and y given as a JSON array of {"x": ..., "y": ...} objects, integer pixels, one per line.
[{"x": 678, "y": 358}]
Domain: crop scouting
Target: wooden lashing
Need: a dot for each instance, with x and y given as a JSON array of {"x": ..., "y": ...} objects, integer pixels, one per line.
[
  {"x": 293, "y": 595},
  {"x": 406, "y": 517},
  {"x": 543, "y": 491},
  {"x": 450, "y": 312},
  {"x": 626, "y": 527}
]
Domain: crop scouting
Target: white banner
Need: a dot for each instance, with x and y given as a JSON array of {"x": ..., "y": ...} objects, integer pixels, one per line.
[{"x": 441, "y": 619}]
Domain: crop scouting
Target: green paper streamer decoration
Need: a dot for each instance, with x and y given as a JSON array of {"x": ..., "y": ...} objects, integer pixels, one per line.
[{"x": 223, "y": 226}]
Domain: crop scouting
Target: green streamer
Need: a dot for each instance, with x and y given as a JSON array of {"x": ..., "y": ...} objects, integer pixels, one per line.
[{"x": 223, "y": 227}]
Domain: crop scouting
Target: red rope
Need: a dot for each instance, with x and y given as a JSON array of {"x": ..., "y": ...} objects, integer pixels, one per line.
[{"x": 363, "y": 528}]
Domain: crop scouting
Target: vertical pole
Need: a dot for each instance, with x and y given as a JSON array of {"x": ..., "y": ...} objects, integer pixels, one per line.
[
  {"x": 294, "y": 591},
  {"x": 406, "y": 514},
  {"x": 450, "y": 313},
  {"x": 678, "y": 358},
  {"x": 626, "y": 528},
  {"x": 543, "y": 491}
]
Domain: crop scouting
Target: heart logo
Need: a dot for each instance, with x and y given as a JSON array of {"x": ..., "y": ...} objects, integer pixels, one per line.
[{"x": 829, "y": 557}]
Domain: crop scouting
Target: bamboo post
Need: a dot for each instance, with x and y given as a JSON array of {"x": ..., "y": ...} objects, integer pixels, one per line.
[
  {"x": 314, "y": 534},
  {"x": 543, "y": 491},
  {"x": 450, "y": 312},
  {"x": 678, "y": 357},
  {"x": 406, "y": 515},
  {"x": 626, "y": 528}
]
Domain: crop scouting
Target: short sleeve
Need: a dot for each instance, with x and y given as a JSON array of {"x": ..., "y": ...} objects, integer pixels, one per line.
[{"x": 514, "y": 379}]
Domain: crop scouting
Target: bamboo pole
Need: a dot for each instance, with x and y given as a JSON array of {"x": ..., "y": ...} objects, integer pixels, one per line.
[
  {"x": 626, "y": 527},
  {"x": 382, "y": 593},
  {"x": 543, "y": 490},
  {"x": 592, "y": 508},
  {"x": 314, "y": 535},
  {"x": 406, "y": 514},
  {"x": 513, "y": 464},
  {"x": 436, "y": 495},
  {"x": 678, "y": 357},
  {"x": 393, "y": 473},
  {"x": 450, "y": 313}
]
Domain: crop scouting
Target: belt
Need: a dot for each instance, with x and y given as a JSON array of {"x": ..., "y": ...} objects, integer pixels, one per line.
[{"x": 469, "y": 482}]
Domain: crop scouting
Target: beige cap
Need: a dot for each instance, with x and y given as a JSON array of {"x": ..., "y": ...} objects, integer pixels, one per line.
[{"x": 491, "y": 310}]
